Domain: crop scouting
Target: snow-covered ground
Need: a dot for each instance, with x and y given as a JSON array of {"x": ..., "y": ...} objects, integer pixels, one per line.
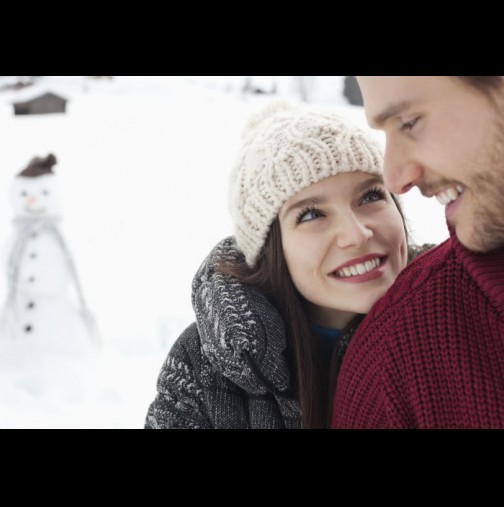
[{"x": 143, "y": 164}]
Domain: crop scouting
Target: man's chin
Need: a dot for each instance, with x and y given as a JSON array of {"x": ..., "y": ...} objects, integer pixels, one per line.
[{"x": 472, "y": 241}]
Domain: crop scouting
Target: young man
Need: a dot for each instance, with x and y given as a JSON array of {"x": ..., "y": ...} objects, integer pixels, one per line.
[{"x": 431, "y": 352}]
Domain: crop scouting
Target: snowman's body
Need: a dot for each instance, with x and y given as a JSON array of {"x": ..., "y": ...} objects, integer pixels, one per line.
[{"x": 44, "y": 298}]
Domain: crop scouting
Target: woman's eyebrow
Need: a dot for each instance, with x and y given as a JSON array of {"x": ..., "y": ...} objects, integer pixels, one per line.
[
  {"x": 370, "y": 181},
  {"x": 321, "y": 199},
  {"x": 309, "y": 201}
]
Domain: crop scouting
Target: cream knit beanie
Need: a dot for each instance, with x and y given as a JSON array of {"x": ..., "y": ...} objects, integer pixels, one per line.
[{"x": 285, "y": 149}]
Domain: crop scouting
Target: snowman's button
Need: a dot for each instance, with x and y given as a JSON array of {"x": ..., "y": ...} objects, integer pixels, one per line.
[
  {"x": 33, "y": 255},
  {"x": 33, "y": 235},
  {"x": 31, "y": 279},
  {"x": 30, "y": 305},
  {"x": 28, "y": 328}
]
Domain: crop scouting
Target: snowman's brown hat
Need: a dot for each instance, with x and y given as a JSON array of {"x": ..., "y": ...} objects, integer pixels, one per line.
[{"x": 39, "y": 167}]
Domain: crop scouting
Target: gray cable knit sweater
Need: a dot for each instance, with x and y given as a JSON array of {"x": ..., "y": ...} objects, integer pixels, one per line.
[{"x": 226, "y": 370}]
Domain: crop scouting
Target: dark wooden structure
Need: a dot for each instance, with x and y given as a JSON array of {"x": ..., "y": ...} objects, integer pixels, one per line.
[{"x": 44, "y": 104}]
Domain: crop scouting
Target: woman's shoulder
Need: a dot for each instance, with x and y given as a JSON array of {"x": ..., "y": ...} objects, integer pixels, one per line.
[
  {"x": 187, "y": 347},
  {"x": 241, "y": 332}
]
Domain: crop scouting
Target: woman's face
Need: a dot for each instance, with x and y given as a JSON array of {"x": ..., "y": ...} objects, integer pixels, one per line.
[{"x": 344, "y": 243}]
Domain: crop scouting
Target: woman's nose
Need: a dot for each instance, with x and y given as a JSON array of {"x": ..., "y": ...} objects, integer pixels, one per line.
[{"x": 352, "y": 231}]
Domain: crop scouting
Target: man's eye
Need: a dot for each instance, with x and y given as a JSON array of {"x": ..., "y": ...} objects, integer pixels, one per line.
[{"x": 407, "y": 126}]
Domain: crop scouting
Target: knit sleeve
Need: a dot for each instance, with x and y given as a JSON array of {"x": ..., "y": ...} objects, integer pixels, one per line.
[
  {"x": 180, "y": 401},
  {"x": 398, "y": 385}
]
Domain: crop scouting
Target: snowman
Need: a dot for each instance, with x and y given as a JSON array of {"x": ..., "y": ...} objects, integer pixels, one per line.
[{"x": 44, "y": 301}]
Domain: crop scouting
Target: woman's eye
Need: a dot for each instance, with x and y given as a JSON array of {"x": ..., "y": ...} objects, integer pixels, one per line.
[
  {"x": 376, "y": 194},
  {"x": 308, "y": 215}
]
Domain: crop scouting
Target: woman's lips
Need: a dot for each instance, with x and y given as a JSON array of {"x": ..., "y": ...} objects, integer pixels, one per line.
[{"x": 365, "y": 277}]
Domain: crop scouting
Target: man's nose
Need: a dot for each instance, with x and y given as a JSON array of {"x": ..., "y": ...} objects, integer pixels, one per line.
[{"x": 401, "y": 171}]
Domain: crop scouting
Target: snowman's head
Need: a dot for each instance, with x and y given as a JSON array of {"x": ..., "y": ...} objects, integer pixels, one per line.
[{"x": 34, "y": 191}]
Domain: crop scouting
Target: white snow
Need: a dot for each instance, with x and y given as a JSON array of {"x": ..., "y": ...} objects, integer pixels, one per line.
[{"x": 143, "y": 167}]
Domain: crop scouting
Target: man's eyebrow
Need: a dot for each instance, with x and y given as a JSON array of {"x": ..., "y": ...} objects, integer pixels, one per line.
[{"x": 392, "y": 110}]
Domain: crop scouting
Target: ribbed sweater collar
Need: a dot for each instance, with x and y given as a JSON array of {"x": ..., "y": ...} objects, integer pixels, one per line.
[{"x": 487, "y": 269}]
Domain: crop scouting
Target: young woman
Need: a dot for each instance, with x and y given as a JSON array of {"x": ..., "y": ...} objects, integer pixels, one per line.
[{"x": 318, "y": 240}]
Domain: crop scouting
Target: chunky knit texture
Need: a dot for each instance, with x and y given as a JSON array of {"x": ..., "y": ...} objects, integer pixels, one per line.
[
  {"x": 286, "y": 149},
  {"x": 227, "y": 370},
  {"x": 430, "y": 354}
]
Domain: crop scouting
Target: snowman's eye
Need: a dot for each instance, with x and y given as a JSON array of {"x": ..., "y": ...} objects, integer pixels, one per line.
[
  {"x": 45, "y": 192},
  {"x": 24, "y": 194}
]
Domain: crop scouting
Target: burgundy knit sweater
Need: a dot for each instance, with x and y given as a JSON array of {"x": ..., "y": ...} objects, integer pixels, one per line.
[{"x": 430, "y": 354}]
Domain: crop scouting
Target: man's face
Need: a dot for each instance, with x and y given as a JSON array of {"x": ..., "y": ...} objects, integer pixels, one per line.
[{"x": 447, "y": 138}]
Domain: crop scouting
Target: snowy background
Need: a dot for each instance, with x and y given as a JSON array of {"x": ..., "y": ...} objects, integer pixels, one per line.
[{"x": 143, "y": 167}]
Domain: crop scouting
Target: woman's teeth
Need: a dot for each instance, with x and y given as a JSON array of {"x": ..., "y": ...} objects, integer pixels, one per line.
[{"x": 359, "y": 269}]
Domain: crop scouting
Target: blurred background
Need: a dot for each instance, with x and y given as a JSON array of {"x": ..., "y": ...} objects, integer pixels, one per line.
[{"x": 143, "y": 168}]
